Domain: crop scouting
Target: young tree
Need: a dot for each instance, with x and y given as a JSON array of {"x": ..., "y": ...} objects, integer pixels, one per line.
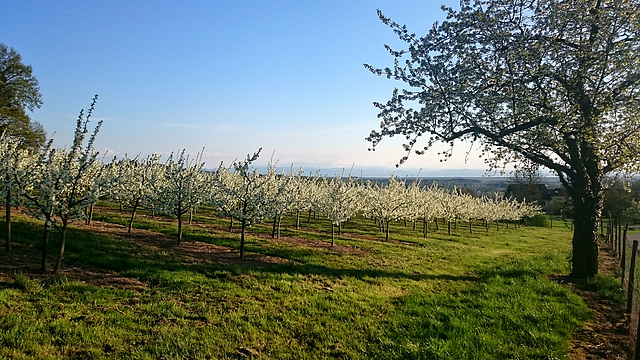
[
  {"x": 242, "y": 194},
  {"x": 130, "y": 181},
  {"x": 12, "y": 158},
  {"x": 61, "y": 183},
  {"x": 19, "y": 91},
  {"x": 182, "y": 187},
  {"x": 339, "y": 200},
  {"x": 387, "y": 203},
  {"x": 550, "y": 82}
]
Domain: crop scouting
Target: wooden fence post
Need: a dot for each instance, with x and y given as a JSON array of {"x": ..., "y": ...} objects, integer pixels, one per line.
[
  {"x": 601, "y": 224},
  {"x": 623, "y": 264},
  {"x": 620, "y": 245},
  {"x": 632, "y": 275},
  {"x": 636, "y": 353}
]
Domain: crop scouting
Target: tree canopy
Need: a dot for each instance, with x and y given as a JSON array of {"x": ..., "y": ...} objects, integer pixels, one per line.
[
  {"x": 552, "y": 82},
  {"x": 19, "y": 91}
]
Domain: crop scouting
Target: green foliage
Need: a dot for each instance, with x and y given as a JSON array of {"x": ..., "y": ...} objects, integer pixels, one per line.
[
  {"x": 540, "y": 220},
  {"x": 19, "y": 91}
]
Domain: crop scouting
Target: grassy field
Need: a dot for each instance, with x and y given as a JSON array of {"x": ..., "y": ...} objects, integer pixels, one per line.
[{"x": 138, "y": 296}]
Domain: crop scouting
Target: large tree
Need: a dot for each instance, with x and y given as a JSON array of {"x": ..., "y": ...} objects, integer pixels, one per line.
[
  {"x": 552, "y": 82},
  {"x": 19, "y": 91}
]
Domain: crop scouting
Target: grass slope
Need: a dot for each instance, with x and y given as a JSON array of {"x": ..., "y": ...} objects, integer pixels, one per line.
[{"x": 479, "y": 296}]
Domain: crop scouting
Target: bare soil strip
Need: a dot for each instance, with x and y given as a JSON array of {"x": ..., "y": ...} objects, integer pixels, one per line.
[{"x": 606, "y": 335}]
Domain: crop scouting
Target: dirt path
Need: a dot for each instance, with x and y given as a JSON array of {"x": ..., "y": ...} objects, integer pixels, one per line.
[{"x": 606, "y": 334}]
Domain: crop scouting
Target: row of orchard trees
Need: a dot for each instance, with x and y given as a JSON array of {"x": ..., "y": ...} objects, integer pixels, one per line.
[
  {"x": 178, "y": 186},
  {"x": 62, "y": 185}
]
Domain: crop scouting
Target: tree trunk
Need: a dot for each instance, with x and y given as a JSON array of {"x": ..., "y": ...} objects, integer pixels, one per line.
[
  {"x": 7, "y": 203},
  {"x": 133, "y": 215},
  {"x": 45, "y": 247},
  {"x": 449, "y": 227},
  {"x": 425, "y": 227},
  {"x": 62, "y": 246},
  {"x": 585, "y": 188},
  {"x": 243, "y": 224},
  {"x": 231, "y": 224},
  {"x": 179, "y": 230},
  {"x": 585, "y": 237},
  {"x": 89, "y": 213},
  {"x": 273, "y": 230},
  {"x": 298, "y": 220},
  {"x": 278, "y": 232},
  {"x": 386, "y": 231},
  {"x": 332, "y": 233}
]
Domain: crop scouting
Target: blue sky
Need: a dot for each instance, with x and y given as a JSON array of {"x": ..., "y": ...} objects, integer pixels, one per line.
[{"x": 226, "y": 76}]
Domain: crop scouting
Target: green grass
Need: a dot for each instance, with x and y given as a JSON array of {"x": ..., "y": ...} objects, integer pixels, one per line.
[{"x": 459, "y": 296}]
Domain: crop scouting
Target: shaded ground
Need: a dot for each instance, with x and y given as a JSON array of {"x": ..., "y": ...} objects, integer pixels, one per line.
[{"x": 606, "y": 334}]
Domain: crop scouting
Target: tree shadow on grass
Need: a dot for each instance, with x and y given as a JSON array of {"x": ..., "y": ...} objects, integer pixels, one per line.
[{"x": 106, "y": 255}]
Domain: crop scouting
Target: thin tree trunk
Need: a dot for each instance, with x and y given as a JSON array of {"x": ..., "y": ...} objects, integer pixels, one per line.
[
  {"x": 62, "y": 246},
  {"x": 470, "y": 230},
  {"x": 278, "y": 232},
  {"x": 332, "y": 233},
  {"x": 179, "y": 230},
  {"x": 8, "y": 218},
  {"x": 386, "y": 231},
  {"x": 231, "y": 224},
  {"x": 273, "y": 230},
  {"x": 449, "y": 227},
  {"x": 425, "y": 227},
  {"x": 45, "y": 248},
  {"x": 90, "y": 214},
  {"x": 133, "y": 215},
  {"x": 243, "y": 224},
  {"x": 298, "y": 219}
]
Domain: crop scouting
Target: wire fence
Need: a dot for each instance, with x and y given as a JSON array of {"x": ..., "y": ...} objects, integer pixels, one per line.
[{"x": 625, "y": 247}]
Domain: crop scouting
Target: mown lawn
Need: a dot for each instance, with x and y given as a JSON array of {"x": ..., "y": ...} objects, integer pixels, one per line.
[{"x": 486, "y": 295}]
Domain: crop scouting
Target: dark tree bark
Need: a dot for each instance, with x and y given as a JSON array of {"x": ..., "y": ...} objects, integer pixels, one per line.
[
  {"x": 45, "y": 249},
  {"x": 7, "y": 202},
  {"x": 243, "y": 226}
]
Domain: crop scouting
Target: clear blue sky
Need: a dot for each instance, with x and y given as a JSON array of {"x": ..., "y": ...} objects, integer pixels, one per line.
[{"x": 229, "y": 76}]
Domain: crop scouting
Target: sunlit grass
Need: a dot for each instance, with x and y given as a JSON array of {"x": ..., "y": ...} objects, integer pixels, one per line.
[{"x": 460, "y": 296}]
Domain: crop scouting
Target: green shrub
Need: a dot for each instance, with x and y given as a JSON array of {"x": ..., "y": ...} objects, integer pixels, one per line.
[{"x": 540, "y": 220}]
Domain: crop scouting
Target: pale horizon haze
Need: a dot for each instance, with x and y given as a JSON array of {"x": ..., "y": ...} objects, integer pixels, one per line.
[{"x": 227, "y": 76}]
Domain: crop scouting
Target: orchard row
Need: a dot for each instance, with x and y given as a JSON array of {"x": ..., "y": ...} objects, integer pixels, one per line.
[{"x": 60, "y": 185}]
